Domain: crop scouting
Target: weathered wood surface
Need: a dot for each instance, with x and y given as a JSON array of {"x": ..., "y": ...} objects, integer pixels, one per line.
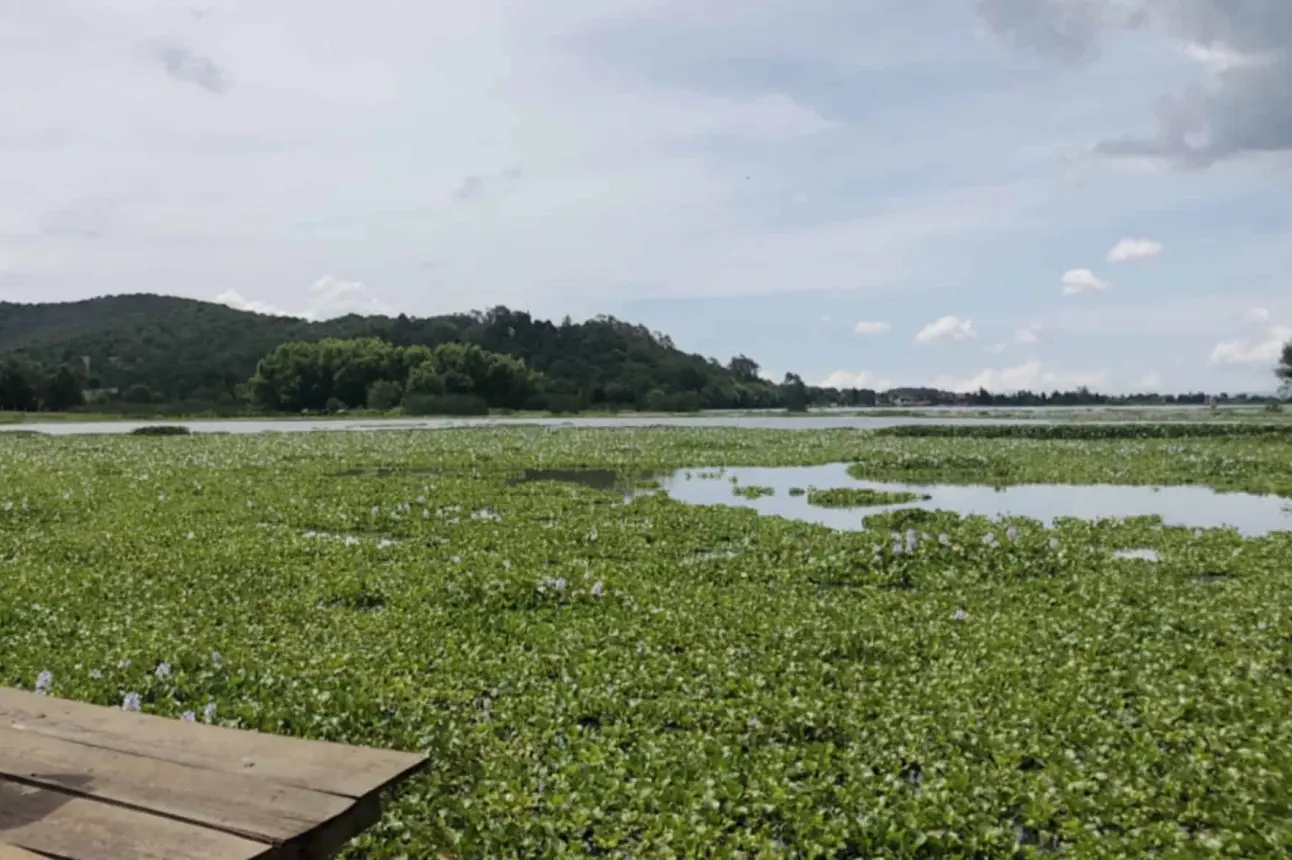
[
  {"x": 80, "y": 781},
  {"x": 13, "y": 852}
]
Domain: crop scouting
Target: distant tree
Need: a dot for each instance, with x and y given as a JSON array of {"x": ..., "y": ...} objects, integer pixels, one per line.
[
  {"x": 1284, "y": 370},
  {"x": 61, "y": 390},
  {"x": 745, "y": 369},
  {"x": 137, "y": 394},
  {"x": 17, "y": 387},
  {"x": 794, "y": 393},
  {"x": 385, "y": 394}
]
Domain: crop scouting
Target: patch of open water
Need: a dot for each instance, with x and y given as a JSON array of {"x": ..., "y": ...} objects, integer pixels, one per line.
[{"x": 1188, "y": 506}]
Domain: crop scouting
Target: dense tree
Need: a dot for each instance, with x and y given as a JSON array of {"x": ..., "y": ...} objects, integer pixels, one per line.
[
  {"x": 186, "y": 350},
  {"x": 17, "y": 387},
  {"x": 60, "y": 390},
  {"x": 332, "y": 374}
]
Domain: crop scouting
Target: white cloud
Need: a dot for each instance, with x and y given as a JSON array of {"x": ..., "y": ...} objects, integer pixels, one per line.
[
  {"x": 860, "y": 379},
  {"x": 1029, "y": 376},
  {"x": 1151, "y": 380},
  {"x": 1131, "y": 250},
  {"x": 460, "y": 154},
  {"x": 947, "y": 327},
  {"x": 1257, "y": 315},
  {"x": 865, "y": 329},
  {"x": 1029, "y": 335},
  {"x": 329, "y": 297},
  {"x": 237, "y": 300},
  {"x": 825, "y": 318},
  {"x": 1251, "y": 351},
  {"x": 1082, "y": 281}
]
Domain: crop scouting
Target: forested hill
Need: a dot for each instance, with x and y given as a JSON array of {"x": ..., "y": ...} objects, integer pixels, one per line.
[{"x": 183, "y": 349}]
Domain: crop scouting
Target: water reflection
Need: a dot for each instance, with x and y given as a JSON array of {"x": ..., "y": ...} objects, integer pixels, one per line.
[
  {"x": 606, "y": 480},
  {"x": 1188, "y": 506}
]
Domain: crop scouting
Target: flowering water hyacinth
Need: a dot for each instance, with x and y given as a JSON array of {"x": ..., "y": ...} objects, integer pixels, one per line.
[
  {"x": 750, "y": 686},
  {"x": 162, "y": 671},
  {"x": 43, "y": 682}
]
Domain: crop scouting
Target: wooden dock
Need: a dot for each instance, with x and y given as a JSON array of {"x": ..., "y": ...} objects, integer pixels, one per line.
[{"x": 84, "y": 782}]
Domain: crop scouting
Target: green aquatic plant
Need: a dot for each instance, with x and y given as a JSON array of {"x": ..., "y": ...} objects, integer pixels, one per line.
[
  {"x": 593, "y": 675},
  {"x": 752, "y": 491},
  {"x": 860, "y": 497}
]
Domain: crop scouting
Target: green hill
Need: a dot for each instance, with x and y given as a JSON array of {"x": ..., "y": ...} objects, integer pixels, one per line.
[{"x": 188, "y": 350}]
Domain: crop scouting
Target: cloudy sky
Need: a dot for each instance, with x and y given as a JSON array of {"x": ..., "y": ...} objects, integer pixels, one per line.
[{"x": 1009, "y": 193}]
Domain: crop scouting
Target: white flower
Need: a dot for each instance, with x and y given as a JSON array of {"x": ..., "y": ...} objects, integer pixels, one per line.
[
  {"x": 596, "y": 588},
  {"x": 960, "y": 614},
  {"x": 188, "y": 717},
  {"x": 131, "y": 702},
  {"x": 43, "y": 680},
  {"x": 208, "y": 713},
  {"x": 162, "y": 671}
]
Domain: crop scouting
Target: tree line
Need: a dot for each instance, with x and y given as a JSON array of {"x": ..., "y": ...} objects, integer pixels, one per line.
[
  {"x": 140, "y": 353},
  {"x": 334, "y": 375}
]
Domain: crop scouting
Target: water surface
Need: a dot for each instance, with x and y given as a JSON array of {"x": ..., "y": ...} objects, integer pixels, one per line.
[
  {"x": 1189, "y": 506},
  {"x": 775, "y": 421}
]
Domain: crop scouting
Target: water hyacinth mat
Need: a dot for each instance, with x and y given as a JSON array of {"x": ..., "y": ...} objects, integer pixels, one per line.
[{"x": 600, "y": 668}]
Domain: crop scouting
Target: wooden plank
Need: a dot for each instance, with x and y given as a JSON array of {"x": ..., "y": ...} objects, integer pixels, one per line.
[
  {"x": 316, "y": 765},
  {"x": 72, "y": 828},
  {"x": 13, "y": 852},
  {"x": 238, "y": 803}
]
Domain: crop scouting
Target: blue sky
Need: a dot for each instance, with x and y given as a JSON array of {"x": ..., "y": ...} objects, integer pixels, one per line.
[{"x": 861, "y": 191}]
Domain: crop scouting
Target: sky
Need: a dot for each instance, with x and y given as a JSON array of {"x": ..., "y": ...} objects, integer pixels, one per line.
[{"x": 961, "y": 193}]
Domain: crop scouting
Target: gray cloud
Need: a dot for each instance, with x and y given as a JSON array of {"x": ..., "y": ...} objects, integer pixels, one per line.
[
  {"x": 190, "y": 68},
  {"x": 1244, "y": 105},
  {"x": 85, "y": 219}
]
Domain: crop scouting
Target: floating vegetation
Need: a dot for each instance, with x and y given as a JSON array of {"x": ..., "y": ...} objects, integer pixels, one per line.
[
  {"x": 860, "y": 497},
  {"x": 599, "y": 675}
]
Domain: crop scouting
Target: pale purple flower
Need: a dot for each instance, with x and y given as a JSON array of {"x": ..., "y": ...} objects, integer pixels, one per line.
[
  {"x": 944, "y": 539},
  {"x": 96, "y": 674},
  {"x": 596, "y": 588},
  {"x": 123, "y": 663},
  {"x": 1011, "y": 533},
  {"x": 43, "y": 680},
  {"x": 217, "y": 659},
  {"x": 208, "y": 713},
  {"x": 188, "y": 717},
  {"x": 960, "y": 614},
  {"x": 162, "y": 671},
  {"x": 1054, "y": 543},
  {"x": 132, "y": 702}
]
